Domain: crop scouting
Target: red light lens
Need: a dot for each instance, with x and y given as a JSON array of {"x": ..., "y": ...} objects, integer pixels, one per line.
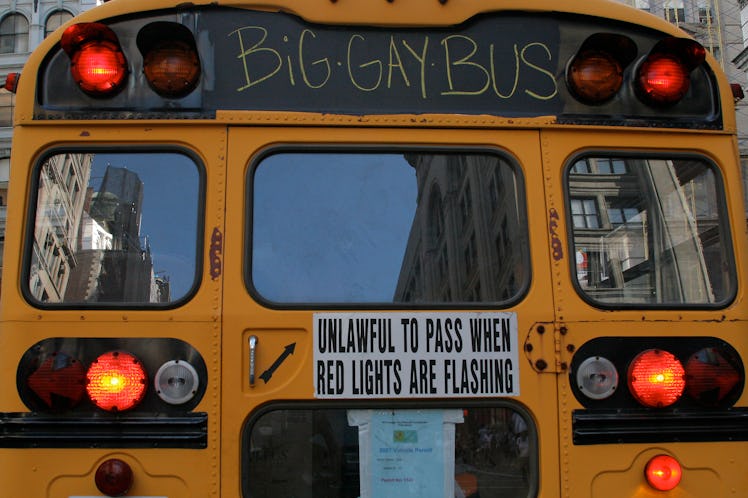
[
  {"x": 663, "y": 79},
  {"x": 656, "y": 378},
  {"x": 97, "y": 63},
  {"x": 116, "y": 381},
  {"x": 595, "y": 76},
  {"x": 114, "y": 477},
  {"x": 99, "y": 68},
  {"x": 663, "y": 472},
  {"x": 60, "y": 382}
]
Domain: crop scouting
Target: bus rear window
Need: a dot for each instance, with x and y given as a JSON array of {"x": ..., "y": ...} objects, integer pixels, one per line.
[
  {"x": 485, "y": 451},
  {"x": 382, "y": 227},
  {"x": 649, "y": 231},
  {"x": 114, "y": 229}
]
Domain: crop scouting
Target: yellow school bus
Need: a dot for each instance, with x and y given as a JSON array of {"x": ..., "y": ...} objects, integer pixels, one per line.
[{"x": 368, "y": 249}]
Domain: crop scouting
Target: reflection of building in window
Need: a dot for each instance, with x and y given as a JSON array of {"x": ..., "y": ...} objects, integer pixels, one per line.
[
  {"x": 59, "y": 214},
  {"x": 117, "y": 268},
  {"x": 584, "y": 213},
  {"x": 87, "y": 244},
  {"x": 656, "y": 236},
  {"x": 466, "y": 243}
]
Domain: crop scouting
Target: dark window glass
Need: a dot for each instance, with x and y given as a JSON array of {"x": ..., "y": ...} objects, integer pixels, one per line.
[
  {"x": 373, "y": 228},
  {"x": 337, "y": 453}
]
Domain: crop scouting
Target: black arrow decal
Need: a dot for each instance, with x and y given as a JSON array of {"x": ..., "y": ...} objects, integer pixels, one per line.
[{"x": 270, "y": 371}]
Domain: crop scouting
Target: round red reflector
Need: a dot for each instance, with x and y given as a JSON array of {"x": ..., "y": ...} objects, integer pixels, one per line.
[
  {"x": 663, "y": 79},
  {"x": 595, "y": 76},
  {"x": 172, "y": 68},
  {"x": 656, "y": 378},
  {"x": 60, "y": 381},
  {"x": 114, "y": 477},
  {"x": 663, "y": 472},
  {"x": 116, "y": 381},
  {"x": 99, "y": 67}
]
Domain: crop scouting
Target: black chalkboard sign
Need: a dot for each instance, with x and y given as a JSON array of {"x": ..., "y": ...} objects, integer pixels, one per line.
[{"x": 493, "y": 65}]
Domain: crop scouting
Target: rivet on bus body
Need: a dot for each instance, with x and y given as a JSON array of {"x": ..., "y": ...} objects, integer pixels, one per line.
[
  {"x": 541, "y": 329},
  {"x": 528, "y": 347},
  {"x": 541, "y": 364}
]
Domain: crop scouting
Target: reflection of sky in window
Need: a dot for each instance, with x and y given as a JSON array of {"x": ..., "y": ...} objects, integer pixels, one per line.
[
  {"x": 331, "y": 227},
  {"x": 169, "y": 213}
]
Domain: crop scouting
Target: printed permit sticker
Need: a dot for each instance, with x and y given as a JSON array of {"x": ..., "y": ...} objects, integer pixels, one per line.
[{"x": 423, "y": 355}]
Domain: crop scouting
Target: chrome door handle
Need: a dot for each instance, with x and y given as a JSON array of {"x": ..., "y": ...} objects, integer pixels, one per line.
[{"x": 252, "y": 349}]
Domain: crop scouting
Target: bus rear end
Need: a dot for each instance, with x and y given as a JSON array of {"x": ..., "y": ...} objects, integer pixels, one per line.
[{"x": 403, "y": 248}]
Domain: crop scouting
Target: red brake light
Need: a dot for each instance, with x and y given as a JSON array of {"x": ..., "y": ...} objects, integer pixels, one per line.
[
  {"x": 116, "y": 381},
  {"x": 663, "y": 77},
  {"x": 97, "y": 62},
  {"x": 663, "y": 472},
  {"x": 656, "y": 378}
]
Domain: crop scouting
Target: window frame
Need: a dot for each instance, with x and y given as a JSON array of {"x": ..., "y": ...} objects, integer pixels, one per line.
[
  {"x": 725, "y": 224},
  {"x": 346, "y": 148},
  {"x": 32, "y": 195}
]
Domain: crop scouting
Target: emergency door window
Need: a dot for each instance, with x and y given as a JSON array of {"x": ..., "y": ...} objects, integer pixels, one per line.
[
  {"x": 650, "y": 231},
  {"x": 390, "y": 228},
  {"x": 114, "y": 229},
  {"x": 467, "y": 452}
]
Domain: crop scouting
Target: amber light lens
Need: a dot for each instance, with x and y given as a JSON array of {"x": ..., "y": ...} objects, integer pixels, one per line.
[
  {"x": 663, "y": 79},
  {"x": 172, "y": 68},
  {"x": 97, "y": 63},
  {"x": 656, "y": 378},
  {"x": 595, "y": 77},
  {"x": 663, "y": 472},
  {"x": 116, "y": 381}
]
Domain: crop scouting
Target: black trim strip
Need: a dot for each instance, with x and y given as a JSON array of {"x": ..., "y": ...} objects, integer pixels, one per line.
[
  {"x": 25, "y": 430},
  {"x": 614, "y": 427}
]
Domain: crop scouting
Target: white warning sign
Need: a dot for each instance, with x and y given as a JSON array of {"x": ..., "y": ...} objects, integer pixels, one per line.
[{"x": 423, "y": 355}]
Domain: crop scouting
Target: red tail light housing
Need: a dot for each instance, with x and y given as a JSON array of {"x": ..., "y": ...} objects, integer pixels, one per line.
[
  {"x": 97, "y": 62},
  {"x": 663, "y": 77},
  {"x": 116, "y": 381}
]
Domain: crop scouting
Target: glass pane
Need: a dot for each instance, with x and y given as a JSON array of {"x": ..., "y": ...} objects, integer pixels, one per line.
[
  {"x": 664, "y": 241},
  {"x": 115, "y": 228},
  {"x": 382, "y": 227},
  {"x": 463, "y": 452}
]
